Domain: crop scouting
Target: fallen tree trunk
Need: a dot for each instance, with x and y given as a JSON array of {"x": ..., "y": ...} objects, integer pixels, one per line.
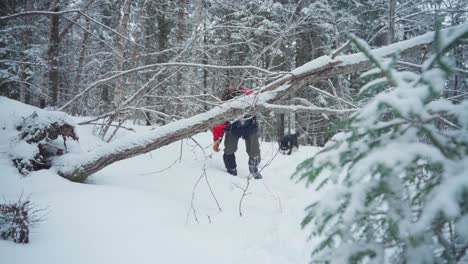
[{"x": 77, "y": 167}]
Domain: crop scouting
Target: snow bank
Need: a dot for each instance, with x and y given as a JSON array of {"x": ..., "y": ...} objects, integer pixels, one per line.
[{"x": 127, "y": 213}]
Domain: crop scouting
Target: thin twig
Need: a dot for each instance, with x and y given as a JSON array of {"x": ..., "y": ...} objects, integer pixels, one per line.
[
  {"x": 244, "y": 194},
  {"x": 181, "y": 148},
  {"x": 206, "y": 175},
  {"x": 340, "y": 49},
  {"x": 159, "y": 171},
  {"x": 97, "y": 124},
  {"x": 192, "y": 207}
]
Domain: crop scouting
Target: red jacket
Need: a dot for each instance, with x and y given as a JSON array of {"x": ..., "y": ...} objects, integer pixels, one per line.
[{"x": 218, "y": 130}]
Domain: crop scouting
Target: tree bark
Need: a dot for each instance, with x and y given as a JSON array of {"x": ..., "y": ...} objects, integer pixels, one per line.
[
  {"x": 23, "y": 68},
  {"x": 180, "y": 109},
  {"x": 79, "y": 69},
  {"x": 280, "y": 126},
  {"x": 74, "y": 168},
  {"x": 53, "y": 53},
  {"x": 119, "y": 90},
  {"x": 120, "y": 85},
  {"x": 391, "y": 21},
  {"x": 164, "y": 30},
  {"x": 55, "y": 38}
]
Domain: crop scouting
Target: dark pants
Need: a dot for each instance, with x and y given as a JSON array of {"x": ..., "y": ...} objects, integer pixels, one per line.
[{"x": 252, "y": 146}]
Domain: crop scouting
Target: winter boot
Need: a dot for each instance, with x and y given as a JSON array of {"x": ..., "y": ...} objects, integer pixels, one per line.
[
  {"x": 253, "y": 167},
  {"x": 233, "y": 172},
  {"x": 256, "y": 175},
  {"x": 230, "y": 163}
]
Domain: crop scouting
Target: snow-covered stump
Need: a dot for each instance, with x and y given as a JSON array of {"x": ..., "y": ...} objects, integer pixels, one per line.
[{"x": 39, "y": 132}]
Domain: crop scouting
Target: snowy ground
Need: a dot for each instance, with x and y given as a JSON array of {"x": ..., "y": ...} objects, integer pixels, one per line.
[{"x": 138, "y": 210}]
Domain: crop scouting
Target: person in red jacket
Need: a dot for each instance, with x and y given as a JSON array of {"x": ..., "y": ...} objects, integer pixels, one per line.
[{"x": 246, "y": 128}]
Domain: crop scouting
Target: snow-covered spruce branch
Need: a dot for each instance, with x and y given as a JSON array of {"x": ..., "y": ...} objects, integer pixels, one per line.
[
  {"x": 77, "y": 168},
  {"x": 391, "y": 177},
  {"x": 308, "y": 109}
]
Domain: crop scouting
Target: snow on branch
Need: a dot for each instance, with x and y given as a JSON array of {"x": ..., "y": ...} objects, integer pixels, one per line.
[
  {"x": 156, "y": 65},
  {"x": 78, "y": 167},
  {"x": 37, "y": 12},
  {"x": 340, "y": 49},
  {"x": 309, "y": 109}
]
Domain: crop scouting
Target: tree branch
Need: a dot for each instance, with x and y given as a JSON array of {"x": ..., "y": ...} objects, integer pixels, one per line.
[
  {"x": 48, "y": 13},
  {"x": 77, "y": 168},
  {"x": 309, "y": 109},
  {"x": 156, "y": 65}
]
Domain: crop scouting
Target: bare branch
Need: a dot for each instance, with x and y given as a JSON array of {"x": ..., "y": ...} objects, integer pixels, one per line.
[
  {"x": 340, "y": 49},
  {"x": 98, "y": 39},
  {"x": 421, "y": 66},
  {"x": 52, "y": 13},
  {"x": 156, "y": 65},
  {"x": 74, "y": 20},
  {"x": 244, "y": 194},
  {"x": 97, "y": 124},
  {"x": 309, "y": 109},
  {"x": 206, "y": 175},
  {"x": 332, "y": 96},
  {"x": 77, "y": 169},
  {"x": 47, "y": 13}
]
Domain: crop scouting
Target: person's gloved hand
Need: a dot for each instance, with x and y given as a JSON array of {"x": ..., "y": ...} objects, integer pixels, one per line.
[{"x": 216, "y": 145}]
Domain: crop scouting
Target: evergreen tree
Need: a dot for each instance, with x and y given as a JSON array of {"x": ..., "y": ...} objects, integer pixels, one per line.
[{"x": 394, "y": 187}]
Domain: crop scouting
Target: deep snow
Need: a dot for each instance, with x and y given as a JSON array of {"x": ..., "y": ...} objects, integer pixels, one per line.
[{"x": 126, "y": 213}]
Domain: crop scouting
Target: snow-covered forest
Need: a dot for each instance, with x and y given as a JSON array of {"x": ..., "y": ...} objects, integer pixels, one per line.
[{"x": 107, "y": 153}]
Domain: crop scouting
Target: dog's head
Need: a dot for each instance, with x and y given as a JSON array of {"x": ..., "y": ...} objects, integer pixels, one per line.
[
  {"x": 283, "y": 147},
  {"x": 283, "y": 143}
]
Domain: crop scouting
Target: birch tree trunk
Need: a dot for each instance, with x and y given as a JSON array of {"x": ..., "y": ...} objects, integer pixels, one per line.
[
  {"x": 79, "y": 69},
  {"x": 180, "y": 40},
  {"x": 119, "y": 90},
  {"x": 49, "y": 83}
]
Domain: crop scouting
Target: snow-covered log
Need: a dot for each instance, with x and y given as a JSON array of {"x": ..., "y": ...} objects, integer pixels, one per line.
[{"x": 78, "y": 167}]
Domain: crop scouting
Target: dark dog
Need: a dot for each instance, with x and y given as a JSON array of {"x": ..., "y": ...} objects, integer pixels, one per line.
[{"x": 287, "y": 143}]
